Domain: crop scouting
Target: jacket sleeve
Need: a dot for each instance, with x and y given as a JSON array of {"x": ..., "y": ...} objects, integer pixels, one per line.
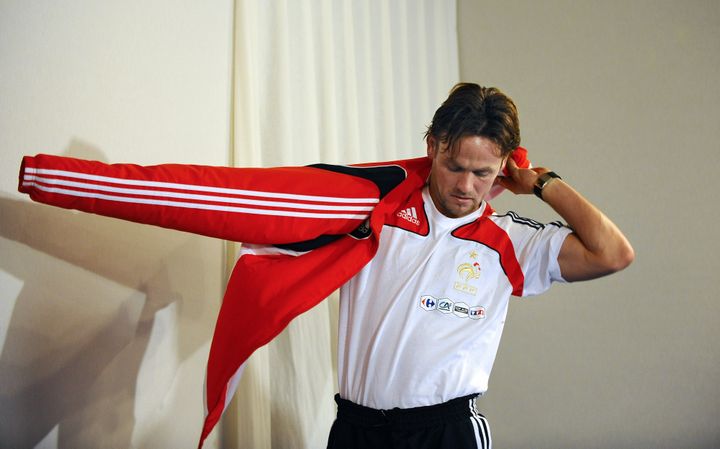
[{"x": 252, "y": 205}]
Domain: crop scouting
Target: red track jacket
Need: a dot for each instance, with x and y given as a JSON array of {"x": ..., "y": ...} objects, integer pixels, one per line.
[{"x": 333, "y": 215}]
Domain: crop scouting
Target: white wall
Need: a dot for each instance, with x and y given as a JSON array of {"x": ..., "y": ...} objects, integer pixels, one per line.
[
  {"x": 105, "y": 325},
  {"x": 622, "y": 99}
]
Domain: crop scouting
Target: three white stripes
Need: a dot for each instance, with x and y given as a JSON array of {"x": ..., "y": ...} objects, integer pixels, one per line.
[
  {"x": 411, "y": 212},
  {"x": 481, "y": 428},
  {"x": 345, "y": 208}
]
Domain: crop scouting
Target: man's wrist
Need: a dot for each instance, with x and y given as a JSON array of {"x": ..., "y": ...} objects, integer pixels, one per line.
[{"x": 542, "y": 181}]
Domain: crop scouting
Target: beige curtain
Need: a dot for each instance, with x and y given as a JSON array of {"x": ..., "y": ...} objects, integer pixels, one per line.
[{"x": 338, "y": 81}]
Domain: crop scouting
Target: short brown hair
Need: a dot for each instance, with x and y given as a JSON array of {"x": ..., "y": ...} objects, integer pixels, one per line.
[{"x": 473, "y": 110}]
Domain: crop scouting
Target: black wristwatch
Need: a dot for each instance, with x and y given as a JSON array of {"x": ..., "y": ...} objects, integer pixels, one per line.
[{"x": 542, "y": 181}]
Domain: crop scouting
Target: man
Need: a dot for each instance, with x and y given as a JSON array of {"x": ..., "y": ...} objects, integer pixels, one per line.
[
  {"x": 426, "y": 266},
  {"x": 420, "y": 324}
]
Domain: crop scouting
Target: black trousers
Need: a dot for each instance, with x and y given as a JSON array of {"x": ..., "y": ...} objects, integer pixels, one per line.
[{"x": 452, "y": 425}]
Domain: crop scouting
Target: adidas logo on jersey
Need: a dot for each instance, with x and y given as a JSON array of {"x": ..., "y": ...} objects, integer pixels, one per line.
[{"x": 410, "y": 215}]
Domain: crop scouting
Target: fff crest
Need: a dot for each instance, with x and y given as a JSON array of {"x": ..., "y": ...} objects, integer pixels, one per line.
[{"x": 467, "y": 272}]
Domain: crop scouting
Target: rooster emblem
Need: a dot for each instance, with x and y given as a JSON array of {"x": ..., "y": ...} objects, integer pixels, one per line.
[{"x": 469, "y": 271}]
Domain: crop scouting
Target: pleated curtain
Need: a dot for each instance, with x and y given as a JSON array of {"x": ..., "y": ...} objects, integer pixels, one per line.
[{"x": 336, "y": 81}]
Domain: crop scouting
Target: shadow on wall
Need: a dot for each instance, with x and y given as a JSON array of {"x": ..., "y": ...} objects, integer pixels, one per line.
[{"x": 80, "y": 327}]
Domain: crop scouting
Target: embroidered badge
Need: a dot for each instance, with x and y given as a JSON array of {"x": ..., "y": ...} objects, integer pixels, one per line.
[{"x": 467, "y": 272}]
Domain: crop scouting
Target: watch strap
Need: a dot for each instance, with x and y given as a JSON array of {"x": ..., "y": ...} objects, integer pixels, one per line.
[{"x": 542, "y": 181}]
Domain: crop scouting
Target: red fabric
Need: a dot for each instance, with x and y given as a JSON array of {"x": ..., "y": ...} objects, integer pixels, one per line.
[
  {"x": 520, "y": 156},
  {"x": 264, "y": 293},
  {"x": 306, "y": 280},
  {"x": 255, "y": 205},
  {"x": 250, "y": 205}
]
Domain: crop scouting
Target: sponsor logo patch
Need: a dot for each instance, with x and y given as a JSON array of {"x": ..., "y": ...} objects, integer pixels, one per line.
[
  {"x": 428, "y": 302},
  {"x": 461, "y": 309},
  {"x": 447, "y": 306},
  {"x": 476, "y": 313}
]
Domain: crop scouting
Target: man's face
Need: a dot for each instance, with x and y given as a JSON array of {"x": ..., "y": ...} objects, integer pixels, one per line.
[{"x": 459, "y": 183}]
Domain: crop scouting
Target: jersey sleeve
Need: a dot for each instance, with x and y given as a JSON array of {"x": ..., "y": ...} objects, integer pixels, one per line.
[
  {"x": 537, "y": 247},
  {"x": 252, "y": 205}
]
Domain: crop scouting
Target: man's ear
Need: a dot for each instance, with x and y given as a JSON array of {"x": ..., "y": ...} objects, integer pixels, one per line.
[
  {"x": 502, "y": 166},
  {"x": 431, "y": 147}
]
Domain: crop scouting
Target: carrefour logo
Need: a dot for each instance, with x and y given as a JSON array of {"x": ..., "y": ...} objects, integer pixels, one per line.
[
  {"x": 428, "y": 302},
  {"x": 448, "y": 306}
]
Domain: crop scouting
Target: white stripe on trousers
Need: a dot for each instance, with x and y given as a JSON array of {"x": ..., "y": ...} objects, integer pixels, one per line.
[{"x": 481, "y": 428}]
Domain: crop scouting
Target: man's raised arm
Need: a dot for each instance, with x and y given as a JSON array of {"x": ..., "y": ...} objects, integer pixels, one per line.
[{"x": 597, "y": 247}]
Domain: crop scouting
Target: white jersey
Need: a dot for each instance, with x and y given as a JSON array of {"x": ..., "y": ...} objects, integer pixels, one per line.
[{"x": 421, "y": 323}]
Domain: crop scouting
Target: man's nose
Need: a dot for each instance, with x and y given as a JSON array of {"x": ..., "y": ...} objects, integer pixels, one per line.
[{"x": 465, "y": 182}]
